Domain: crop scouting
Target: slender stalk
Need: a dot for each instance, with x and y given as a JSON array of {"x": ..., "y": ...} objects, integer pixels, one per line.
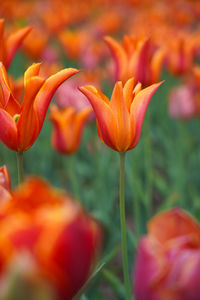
[
  {"x": 123, "y": 227},
  {"x": 148, "y": 166},
  {"x": 73, "y": 177},
  {"x": 20, "y": 167},
  {"x": 138, "y": 195}
]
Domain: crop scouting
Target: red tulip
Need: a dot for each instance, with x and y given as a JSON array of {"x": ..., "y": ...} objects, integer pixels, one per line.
[
  {"x": 168, "y": 259},
  {"x": 10, "y": 43},
  {"x": 52, "y": 235},
  {"x": 21, "y": 122},
  {"x": 135, "y": 58}
]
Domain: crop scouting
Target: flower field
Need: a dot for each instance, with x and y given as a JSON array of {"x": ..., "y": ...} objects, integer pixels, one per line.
[{"x": 99, "y": 150}]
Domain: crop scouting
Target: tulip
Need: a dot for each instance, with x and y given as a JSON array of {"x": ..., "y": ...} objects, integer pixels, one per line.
[
  {"x": 135, "y": 59},
  {"x": 68, "y": 128},
  {"x": 5, "y": 185},
  {"x": 119, "y": 125},
  {"x": 47, "y": 241},
  {"x": 182, "y": 102},
  {"x": 21, "y": 122},
  {"x": 36, "y": 43},
  {"x": 180, "y": 54},
  {"x": 119, "y": 121},
  {"x": 168, "y": 259},
  {"x": 11, "y": 43}
]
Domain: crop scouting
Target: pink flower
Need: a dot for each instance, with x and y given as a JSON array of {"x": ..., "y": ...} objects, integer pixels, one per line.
[
  {"x": 182, "y": 102},
  {"x": 168, "y": 260}
]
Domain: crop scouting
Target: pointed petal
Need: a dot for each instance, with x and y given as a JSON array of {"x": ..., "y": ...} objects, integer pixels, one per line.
[
  {"x": 13, "y": 42},
  {"x": 28, "y": 124},
  {"x": 140, "y": 63},
  {"x": 156, "y": 64},
  {"x": 2, "y": 48},
  {"x": 9, "y": 103},
  {"x": 128, "y": 92},
  {"x": 33, "y": 70},
  {"x": 80, "y": 121},
  {"x": 63, "y": 136},
  {"x": 137, "y": 88},
  {"x": 104, "y": 115},
  {"x": 47, "y": 91},
  {"x": 118, "y": 106},
  {"x": 8, "y": 130},
  {"x": 172, "y": 224},
  {"x": 98, "y": 93},
  {"x": 138, "y": 109},
  {"x": 120, "y": 58}
]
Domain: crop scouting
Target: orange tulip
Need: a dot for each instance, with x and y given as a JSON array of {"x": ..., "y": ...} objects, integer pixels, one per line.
[
  {"x": 135, "y": 59},
  {"x": 180, "y": 54},
  {"x": 119, "y": 121},
  {"x": 21, "y": 122},
  {"x": 10, "y": 44},
  {"x": 68, "y": 128},
  {"x": 5, "y": 185},
  {"x": 52, "y": 235},
  {"x": 36, "y": 43}
]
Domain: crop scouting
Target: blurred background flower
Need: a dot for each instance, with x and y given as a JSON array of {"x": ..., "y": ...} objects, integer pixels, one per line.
[
  {"x": 168, "y": 258},
  {"x": 49, "y": 244}
]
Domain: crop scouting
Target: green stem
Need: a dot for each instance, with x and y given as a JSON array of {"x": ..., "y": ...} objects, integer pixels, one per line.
[
  {"x": 138, "y": 195},
  {"x": 148, "y": 166},
  {"x": 20, "y": 167},
  {"x": 73, "y": 178},
  {"x": 123, "y": 227}
]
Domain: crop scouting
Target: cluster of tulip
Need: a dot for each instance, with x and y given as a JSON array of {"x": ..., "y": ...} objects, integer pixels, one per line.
[{"x": 49, "y": 244}]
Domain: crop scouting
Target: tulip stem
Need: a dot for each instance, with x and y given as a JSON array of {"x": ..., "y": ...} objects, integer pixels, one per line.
[
  {"x": 123, "y": 227},
  {"x": 73, "y": 178},
  {"x": 20, "y": 167}
]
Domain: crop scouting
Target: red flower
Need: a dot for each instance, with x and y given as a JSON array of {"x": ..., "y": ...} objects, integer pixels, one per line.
[
  {"x": 21, "y": 122},
  {"x": 59, "y": 238}
]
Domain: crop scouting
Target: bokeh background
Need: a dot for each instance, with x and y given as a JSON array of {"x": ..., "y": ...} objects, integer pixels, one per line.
[{"x": 163, "y": 170}]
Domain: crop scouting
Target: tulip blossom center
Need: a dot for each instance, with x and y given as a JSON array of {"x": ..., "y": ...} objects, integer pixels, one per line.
[{"x": 16, "y": 117}]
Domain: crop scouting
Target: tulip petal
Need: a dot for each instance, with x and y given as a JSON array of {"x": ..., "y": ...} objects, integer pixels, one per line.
[
  {"x": 118, "y": 106},
  {"x": 9, "y": 103},
  {"x": 104, "y": 115},
  {"x": 13, "y": 42},
  {"x": 8, "y": 132},
  {"x": 98, "y": 93},
  {"x": 172, "y": 224},
  {"x": 156, "y": 64},
  {"x": 28, "y": 124},
  {"x": 119, "y": 56},
  {"x": 47, "y": 91},
  {"x": 149, "y": 269},
  {"x": 5, "y": 178},
  {"x": 138, "y": 109},
  {"x": 2, "y": 48},
  {"x": 140, "y": 63},
  {"x": 33, "y": 70},
  {"x": 128, "y": 92},
  {"x": 80, "y": 120}
]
